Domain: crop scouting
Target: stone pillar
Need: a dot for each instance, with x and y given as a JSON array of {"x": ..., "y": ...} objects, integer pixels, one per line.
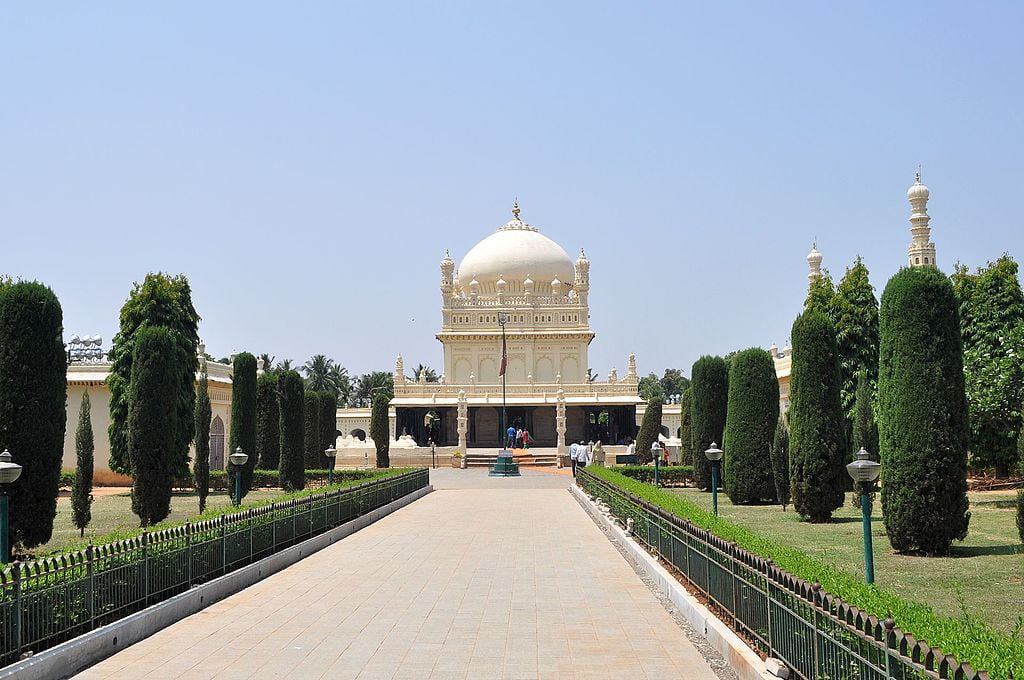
[
  {"x": 560, "y": 426},
  {"x": 462, "y": 424}
]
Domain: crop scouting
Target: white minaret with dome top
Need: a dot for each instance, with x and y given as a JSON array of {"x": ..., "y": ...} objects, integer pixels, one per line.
[
  {"x": 921, "y": 252},
  {"x": 814, "y": 264}
]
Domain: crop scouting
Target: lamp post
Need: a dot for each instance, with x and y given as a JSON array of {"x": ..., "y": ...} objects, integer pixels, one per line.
[
  {"x": 330, "y": 452},
  {"x": 656, "y": 454},
  {"x": 864, "y": 472},
  {"x": 9, "y": 472},
  {"x": 238, "y": 459},
  {"x": 502, "y": 320},
  {"x": 714, "y": 455}
]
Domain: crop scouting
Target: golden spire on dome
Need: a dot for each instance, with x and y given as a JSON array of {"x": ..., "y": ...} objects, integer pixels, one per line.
[{"x": 515, "y": 208}]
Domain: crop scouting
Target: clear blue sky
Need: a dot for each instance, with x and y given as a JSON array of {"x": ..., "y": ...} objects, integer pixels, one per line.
[{"x": 307, "y": 164}]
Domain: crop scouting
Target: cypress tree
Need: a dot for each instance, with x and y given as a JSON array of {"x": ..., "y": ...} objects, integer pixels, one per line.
[
  {"x": 153, "y": 422},
  {"x": 268, "y": 432},
  {"x": 751, "y": 416},
  {"x": 780, "y": 462},
  {"x": 328, "y": 425},
  {"x": 650, "y": 426},
  {"x": 817, "y": 446},
  {"x": 312, "y": 453},
  {"x": 991, "y": 304},
  {"x": 1020, "y": 514},
  {"x": 290, "y": 395},
  {"x": 856, "y": 318},
  {"x": 709, "y": 380},
  {"x": 243, "y": 417},
  {"x": 201, "y": 466},
  {"x": 865, "y": 431},
  {"x": 33, "y": 411},
  {"x": 81, "y": 488},
  {"x": 160, "y": 300},
  {"x": 686, "y": 426},
  {"x": 379, "y": 429},
  {"x": 922, "y": 413}
]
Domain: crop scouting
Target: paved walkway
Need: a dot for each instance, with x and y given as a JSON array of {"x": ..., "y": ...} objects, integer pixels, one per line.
[{"x": 484, "y": 578}]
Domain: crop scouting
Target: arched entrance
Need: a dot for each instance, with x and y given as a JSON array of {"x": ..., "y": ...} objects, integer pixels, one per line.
[{"x": 217, "y": 444}]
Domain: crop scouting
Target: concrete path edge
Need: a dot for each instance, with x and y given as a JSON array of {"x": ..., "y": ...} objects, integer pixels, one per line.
[
  {"x": 72, "y": 656},
  {"x": 744, "y": 660}
]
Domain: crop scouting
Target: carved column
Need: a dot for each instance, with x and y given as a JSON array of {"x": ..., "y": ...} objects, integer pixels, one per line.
[
  {"x": 560, "y": 425},
  {"x": 462, "y": 424}
]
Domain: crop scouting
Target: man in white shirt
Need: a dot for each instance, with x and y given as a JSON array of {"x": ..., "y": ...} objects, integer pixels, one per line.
[{"x": 573, "y": 454}]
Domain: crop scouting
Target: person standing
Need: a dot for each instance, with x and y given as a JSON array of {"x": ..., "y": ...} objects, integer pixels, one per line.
[
  {"x": 510, "y": 437},
  {"x": 526, "y": 439},
  {"x": 573, "y": 454},
  {"x": 519, "y": 437},
  {"x": 598, "y": 455},
  {"x": 582, "y": 455}
]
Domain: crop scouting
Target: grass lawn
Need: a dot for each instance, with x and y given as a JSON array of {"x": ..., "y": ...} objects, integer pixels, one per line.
[
  {"x": 114, "y": 513},
  {"x": 984, "y": 575}
]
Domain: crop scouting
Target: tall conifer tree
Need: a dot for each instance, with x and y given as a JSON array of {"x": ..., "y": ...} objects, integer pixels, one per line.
[
  {"x": 650, "y": 427},
  {"x": 201, "y": 465},
  {"x": 751, "y": 416},
  {"x": 81, "y": 488},
  {"x": 709, "y": 382},
  {"x": 855, "y": 314},
  {"x": 243, "y": 417},
  {"x": 268, "y": 426},
  {"x": 291, "y": 398},
  {"x": 380, "y": 430}
]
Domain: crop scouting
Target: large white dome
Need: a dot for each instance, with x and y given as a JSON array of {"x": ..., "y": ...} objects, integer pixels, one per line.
[{"x": 515, "y": 252}]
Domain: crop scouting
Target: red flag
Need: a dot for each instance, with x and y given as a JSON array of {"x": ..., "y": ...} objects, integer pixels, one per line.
[{"x": 504, "y": 356}]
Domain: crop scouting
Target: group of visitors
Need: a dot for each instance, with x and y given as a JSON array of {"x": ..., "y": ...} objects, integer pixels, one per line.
[
  {"x": 582, "y": 454},
  {"x": 517, "y": 438}
]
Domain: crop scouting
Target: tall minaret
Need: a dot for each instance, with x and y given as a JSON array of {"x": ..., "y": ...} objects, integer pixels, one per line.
[
  {"x": 921, "y": 252},
  {"x": 447, "y": 269},
  {"x": 813, "y": 264}
]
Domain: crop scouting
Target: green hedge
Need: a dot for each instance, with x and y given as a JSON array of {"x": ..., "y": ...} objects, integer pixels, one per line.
[
  {"x": 969, "y": 640},
  {"x": 670, "y": 475}
]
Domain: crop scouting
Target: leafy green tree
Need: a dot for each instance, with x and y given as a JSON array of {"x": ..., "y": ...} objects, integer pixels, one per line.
[
  {"x": 855, "y": 311},
  {"x": 323, "y": 375},
  {"x": 153, "y": 428},
  {"x": 291, "y": 400},
  {"x": 81, "y": 488},
  {"x": 243, "y": 417},
  {"x": 650, "y": 426},
  {"x": 370, "y": 384},
  {"x": 821, "y": 295},
  {"x": 865, "y": 431},
  {"x": 380, "y": 430},
  {"x": 780, "y": 462},
  {"x": 673, "y": 382},
  {"x": 328, "y": 421},
  {"x": 33, "y": 412},
  {"x": 991, "y": 306},
  {"x": 160, "y": 300},
  {"x": 709, "y": 382},
  {"x": 431, "y": 374},
  {"x": 922, "y": 413},
  {"x": 686, "y": 426},
  {"x": 201, "y": 465},
  {"x": 650, "y": 387},
  {"x": 818, "y": 448},
  {"x": 312, "y": 453},
  {"x": 751, "y": 416},
  {"x": 268, "y": 425}
]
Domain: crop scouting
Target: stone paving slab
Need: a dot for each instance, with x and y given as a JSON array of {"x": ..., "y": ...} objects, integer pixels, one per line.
[{"x": 513, "y": 582}]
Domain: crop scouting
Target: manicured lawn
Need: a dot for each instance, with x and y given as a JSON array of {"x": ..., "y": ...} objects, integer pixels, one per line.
[
  {"x": 985, "y": 573},
  {"x": 114, "y": 513}
]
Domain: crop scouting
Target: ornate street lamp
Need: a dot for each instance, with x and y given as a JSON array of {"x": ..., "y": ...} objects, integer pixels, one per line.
[
  {"x": 238, "y": 459},
  {"x": 9, "y": 472},
  {"x": 714, "y": 455},
  {"x": 656, "y": 454},
  {"x": 864, "y": 472},
  {"x": 330, "y": 452}
]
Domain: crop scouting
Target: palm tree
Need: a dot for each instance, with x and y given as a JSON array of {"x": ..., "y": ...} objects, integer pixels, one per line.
[
  {"x": 340, "y": 378},
  {"x": 268, "y": 362},
  {"x": 431, "y": 373},
  {"x": 283, "y": 366},
  {"x": 369, "y": 384}
]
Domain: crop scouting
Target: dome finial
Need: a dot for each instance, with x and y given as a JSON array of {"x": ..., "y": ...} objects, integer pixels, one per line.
[{"x": 515, "y": 208}]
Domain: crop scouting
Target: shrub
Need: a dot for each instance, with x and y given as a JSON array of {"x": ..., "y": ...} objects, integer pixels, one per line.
[
  {"x": 686, "y": 426},
  {"x": 817, "y": 445},
  {"x": 922, "y": 412},
  {"x": 328, "y": 425},
  {"x": 780, "y": 462},
  {"x": 966, "y": 638},
  {"x": 1020, "y": 514},
  {"x": 271, "y": 479},
  {"x": 153, "y": 423},
  {"x": 670, "y": 475},
  {"x": 290, "y": 396},
  {"x": 160, "y": 300},
  {"x": 33, "y": 395},
  {"x": 81, "y": 489},
  {"x": 650, "y": 426},
  {"x": 709, "y": 380},
  {"x": 268, "y": 416},
  {"x": 201, "y": 466},
  {"x": 751, "y": 415},
  {"x": 312, "y": 453},
  {"x": 243, "y": 416},
  {"x": 379, "y": 429}
]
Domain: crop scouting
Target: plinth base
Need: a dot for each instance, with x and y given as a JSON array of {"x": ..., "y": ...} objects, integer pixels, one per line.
[{"x": 505, "y": 466}]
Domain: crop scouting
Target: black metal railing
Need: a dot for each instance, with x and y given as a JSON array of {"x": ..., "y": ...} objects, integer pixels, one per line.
[
  {"x": 814, "y": 633},
  {"x": 48, "y": 601}
]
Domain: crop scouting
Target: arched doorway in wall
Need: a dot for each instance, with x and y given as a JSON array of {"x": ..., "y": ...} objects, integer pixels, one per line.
[
  {"x": 217, "y": 444},
  {"x": 359, "y": 434}
]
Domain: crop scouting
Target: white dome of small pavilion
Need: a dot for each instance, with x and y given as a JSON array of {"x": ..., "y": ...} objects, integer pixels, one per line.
[{"x": 514, "y": 253}]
